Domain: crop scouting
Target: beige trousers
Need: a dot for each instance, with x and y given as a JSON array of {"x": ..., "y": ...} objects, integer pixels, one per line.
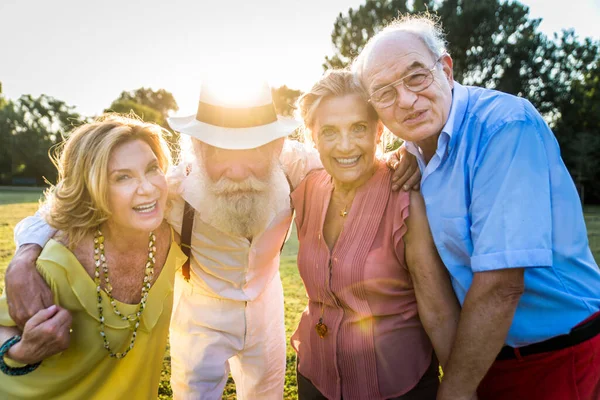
[{"x": 211, "y": 337}]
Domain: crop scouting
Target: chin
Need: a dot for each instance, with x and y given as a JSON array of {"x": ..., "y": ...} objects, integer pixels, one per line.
[
  {"x": 347, "y": 178},
  {"x": 147, "y": 224}
]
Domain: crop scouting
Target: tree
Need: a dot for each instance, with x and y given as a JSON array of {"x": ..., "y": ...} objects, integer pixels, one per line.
[
  {"x": 578, "y": 132},
  {"x": 160, "y": 100},
  {"x": 145, "y": 113},
  {"x": 284, "y": 99},
  {"x": 493, "y": 44},
  {"x": 5, "y": 146},
  {"x": 30, "y": 127},
  {"x": 150, "y": 106},
  {"x": 2, "y": 99}
]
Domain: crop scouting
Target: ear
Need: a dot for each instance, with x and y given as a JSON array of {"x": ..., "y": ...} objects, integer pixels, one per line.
[
  {"x": 380, "y": 128},
  {"x": 447, "y": 65}
]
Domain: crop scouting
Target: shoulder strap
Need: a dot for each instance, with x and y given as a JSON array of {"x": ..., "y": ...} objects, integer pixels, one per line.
[
  {"x": 188, "y": 224},
  {"x": 186, "y": 237},
  {"x": 287, "y": 234}
]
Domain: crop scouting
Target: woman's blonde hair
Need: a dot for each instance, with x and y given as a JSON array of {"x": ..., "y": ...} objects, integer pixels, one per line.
[
  {"x": 334, "y": 83},
  {"x": 78, "y": 203}
]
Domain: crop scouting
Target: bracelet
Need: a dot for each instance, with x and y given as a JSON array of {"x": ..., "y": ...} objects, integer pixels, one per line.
[{"x": 10, "y": 370}]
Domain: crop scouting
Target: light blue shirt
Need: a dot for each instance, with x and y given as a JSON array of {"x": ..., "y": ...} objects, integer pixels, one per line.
[{"x": 499, "y": 196}]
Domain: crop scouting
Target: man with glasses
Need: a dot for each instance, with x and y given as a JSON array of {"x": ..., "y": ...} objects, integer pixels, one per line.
[{"x": 506, "y": 219}]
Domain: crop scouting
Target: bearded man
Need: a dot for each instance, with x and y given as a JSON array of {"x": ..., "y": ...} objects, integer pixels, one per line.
[{"x": 231, "y": 206}]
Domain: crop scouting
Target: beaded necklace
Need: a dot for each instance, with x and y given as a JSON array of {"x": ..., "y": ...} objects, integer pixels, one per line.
[{"x": 134, "y": 319}]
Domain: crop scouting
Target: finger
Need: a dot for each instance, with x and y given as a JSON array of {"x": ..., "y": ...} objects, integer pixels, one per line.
[
  {"x": 414, "y": 182},
  {"x": 63, "y": 329},
  {"x": 63, "y": 318},
  {"x": 401, "y": 181},
  {"x": 42, "y": 316},
  {"x": 399, "y": 171},
  {"x": 404, "y": 166},
  {"x": 391, "y": 163}
]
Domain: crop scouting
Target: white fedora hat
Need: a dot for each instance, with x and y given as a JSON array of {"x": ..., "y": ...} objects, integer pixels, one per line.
[{"x": 235, "y": 125}]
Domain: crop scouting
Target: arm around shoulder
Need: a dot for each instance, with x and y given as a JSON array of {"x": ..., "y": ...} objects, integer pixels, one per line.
[{"x": 26, "y": 291}]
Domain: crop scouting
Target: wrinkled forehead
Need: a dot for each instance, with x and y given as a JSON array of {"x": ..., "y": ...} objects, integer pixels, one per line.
[{"x": 393, "y": 56}]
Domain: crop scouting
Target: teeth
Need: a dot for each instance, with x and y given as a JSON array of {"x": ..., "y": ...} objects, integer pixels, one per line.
[
  {"x": 347, "y": 160},
  {"x": 145, "y": 207}
]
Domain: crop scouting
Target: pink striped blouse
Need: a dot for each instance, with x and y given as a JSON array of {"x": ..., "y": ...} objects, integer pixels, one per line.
[{"x": 376, "y": 347}]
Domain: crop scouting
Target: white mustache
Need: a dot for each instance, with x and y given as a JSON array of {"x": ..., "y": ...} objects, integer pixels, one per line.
[{"x": 226, "y": 186}]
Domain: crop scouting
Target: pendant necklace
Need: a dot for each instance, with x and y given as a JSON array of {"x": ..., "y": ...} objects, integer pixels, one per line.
[{"x": 343, "y": 211}]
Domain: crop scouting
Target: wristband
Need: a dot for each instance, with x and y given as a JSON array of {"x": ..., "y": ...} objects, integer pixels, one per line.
[{"x": 10, "y": 370}]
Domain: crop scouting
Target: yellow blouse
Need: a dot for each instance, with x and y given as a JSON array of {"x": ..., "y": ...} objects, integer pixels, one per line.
[{"x": 85, "y": 370}]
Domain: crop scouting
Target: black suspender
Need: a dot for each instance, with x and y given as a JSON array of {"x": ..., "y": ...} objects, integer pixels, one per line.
[{"x": 188, "y": 224}]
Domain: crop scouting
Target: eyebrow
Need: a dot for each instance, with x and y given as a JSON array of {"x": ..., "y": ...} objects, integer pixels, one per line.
[
  {"x": 336, "y": 128},
  {"x": 410, "y": 68},
  {"x": 326, "y": 126},
  {"x": 153, "y": 161}
]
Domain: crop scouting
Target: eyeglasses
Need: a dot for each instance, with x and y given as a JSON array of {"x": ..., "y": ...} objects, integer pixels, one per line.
[{"x": 416, "y": 82}]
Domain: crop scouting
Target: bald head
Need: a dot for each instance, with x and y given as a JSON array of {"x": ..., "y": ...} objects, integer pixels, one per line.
[
  {"x": 409, "y": 68},
  {"x": 422, "y": 33}
]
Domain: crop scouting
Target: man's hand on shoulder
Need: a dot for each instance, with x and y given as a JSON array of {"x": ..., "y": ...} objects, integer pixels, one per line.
[
  {"x": 26, "y": 291},
  {"x": 406, "y": 169}
]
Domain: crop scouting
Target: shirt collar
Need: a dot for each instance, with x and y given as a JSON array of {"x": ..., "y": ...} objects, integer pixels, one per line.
[{"x": 448, "y": 136}]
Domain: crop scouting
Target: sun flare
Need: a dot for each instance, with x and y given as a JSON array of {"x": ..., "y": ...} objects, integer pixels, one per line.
[{"x": 235, "y": 87}]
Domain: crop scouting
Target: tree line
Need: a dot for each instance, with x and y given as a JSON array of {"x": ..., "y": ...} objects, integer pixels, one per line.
[{"x": 495, "y": 44}]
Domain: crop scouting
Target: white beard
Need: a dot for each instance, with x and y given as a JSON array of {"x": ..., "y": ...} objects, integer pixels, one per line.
[{"x": 245, "y": 208}]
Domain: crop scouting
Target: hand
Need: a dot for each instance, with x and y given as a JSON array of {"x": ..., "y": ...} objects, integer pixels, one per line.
[
  {"x": 47, "y": 333},
  {"x": 26, "y": 291},
  {"x": 175, "y": 176},
  {"x": 407, "y": 174}
]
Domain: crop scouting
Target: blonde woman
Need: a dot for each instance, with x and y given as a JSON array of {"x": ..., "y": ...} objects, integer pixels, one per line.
[
  {"x": 380, "y": 300},
  {"x": 110, "y": 266}
]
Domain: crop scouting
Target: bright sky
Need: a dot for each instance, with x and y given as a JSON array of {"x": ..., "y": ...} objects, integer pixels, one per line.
[{"x": 86, "y": 53}]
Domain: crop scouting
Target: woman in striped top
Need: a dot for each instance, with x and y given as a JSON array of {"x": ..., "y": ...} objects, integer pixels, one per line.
[{"x": 379, "y": 295}]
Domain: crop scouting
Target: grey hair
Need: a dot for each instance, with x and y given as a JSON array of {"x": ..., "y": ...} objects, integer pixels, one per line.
[
  {"x": 334, "y": 83},
  {"x": 425, "y": 26}
]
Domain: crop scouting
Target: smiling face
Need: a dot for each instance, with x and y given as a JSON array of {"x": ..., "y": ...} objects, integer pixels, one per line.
[
  {"x": 416, "y": 117},
  {"x": 137, "y": 187},
  {"x": 346, "y": 137}
]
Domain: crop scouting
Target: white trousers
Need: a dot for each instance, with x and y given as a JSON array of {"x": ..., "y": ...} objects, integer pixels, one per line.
[{"x": 210, "y": 337}]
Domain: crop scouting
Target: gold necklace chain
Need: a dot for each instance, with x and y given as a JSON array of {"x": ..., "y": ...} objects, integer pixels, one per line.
[{"x": 134, "y": 319}]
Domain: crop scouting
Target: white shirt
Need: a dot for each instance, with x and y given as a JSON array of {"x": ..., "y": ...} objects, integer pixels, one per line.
[{"x": 222, "y": 265}]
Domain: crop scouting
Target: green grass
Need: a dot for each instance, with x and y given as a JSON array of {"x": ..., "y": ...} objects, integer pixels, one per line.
[
  {"x": 295, "y": 297},
  {"x": 592, "y": 222},
  {"x": 20, "y": 196}
]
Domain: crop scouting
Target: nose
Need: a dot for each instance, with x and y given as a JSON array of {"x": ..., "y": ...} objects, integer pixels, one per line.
[
  {"x": 404, "y": 97},
  {"x": 237, "y": 172},
  {"x": 345, "y": 143},
  {"x": 145, "y": 186}
]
